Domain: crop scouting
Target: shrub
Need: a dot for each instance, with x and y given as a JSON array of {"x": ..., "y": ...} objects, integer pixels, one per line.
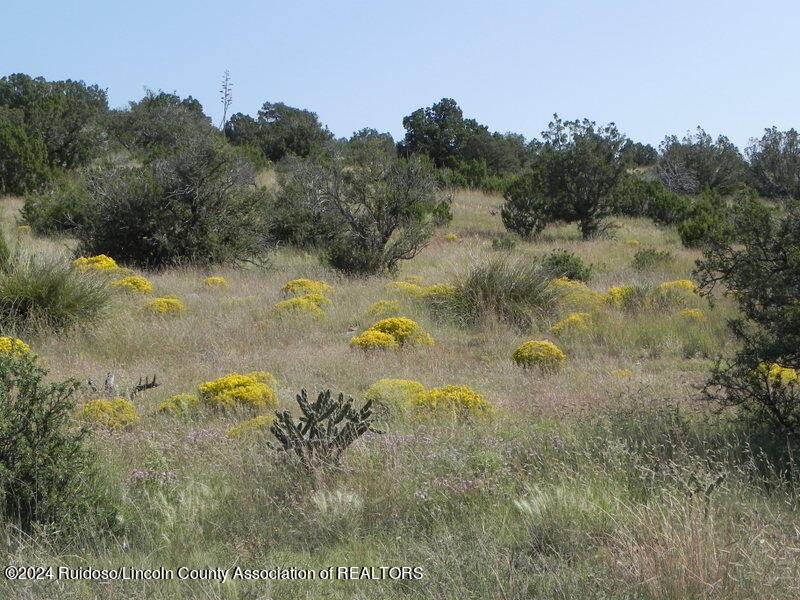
[
  {"x": 516, "y": 291},
  {"x": 302, "y": 287},
  {"x": 215, "y": 282},
  {"x": 309, "y": 305},
  {"x": 542, "y": 354},
  {"x": 561, "y": 263},
  {"x": 406, "y": 289},
  {"x": 404, "y": 331},
  {"x": 374, "y": 340},
  {"x": 576, "y": 322},
  {"x": 692, "y": 314},
  {"x": 450, "y": 237},
  {"x": 576, "y": 294},
  {"x": 504, "y": 241},
  {"x": 41, "y": 292},
  {"x": 259, "y": 424},
  {"x": 377, "y": 209},
  {"x": 674, "y": 293},
  {"x": 395, "y": 395},
  {"x": 622, "y": 296},
  {"x": 101, "y": 262},
  {"x": 62, "y": 206},
  {"x": 253, "y": 391},
  {"x": 116, "y": 413},
  {"x": 47, "y": 474},
  {"x": 326, "y": 429},
  {"x": 24, "y": 164},
  {"x": 526, "y": 211},
  {"x": 457, "y": 401},
  {"x": 165, "y": 306},
  {"x": 178, "y": 404},
  {"x": 384, "y": 308},
  {"x": 648, "y": 259},
  {"x": 13, "y": 347},
  {"x": 198, "y": 204},
  {"x": 138, "y": 285}
]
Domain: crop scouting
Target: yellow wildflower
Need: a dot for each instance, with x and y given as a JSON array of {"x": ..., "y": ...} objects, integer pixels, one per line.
[
  {"x": 215, "y": 282},
  {"x": 384, "y": 308},
  {"x": 139, "y": 285},
  {"x": 255, "y": 425},
  {"x": 116, "y": 414},
  {"x": 414, "y": 279},
  {"x": 175, "y": 405},
  {"x": 24, "y": 228},
  {"x": 404, "y": 331},
  {"x": 777, "y": 373},
  {"x": 165, "y": 305},
  {"x": 251, "y": 390},
  {"x": 301, "y": 287},
  {"x": 622, "y": 373},
  {"x": 577, "y": 294},
  {"x": 308, "y": 305},
  {"x": 395, "y": 393},
  {"x": 13, "y": 346},
  {"x": 405, "y": 289},
  {"x": 618, "y": 296},
  {"x": 575, "y": 322},
  {"x": 692, "y": 314},
  {"x": 373, "y": 340},
  {"x": 543, "y": 354},
  {"x": 451, "y": 237},
  {"x": 101, "y": 262},
  {"x": 455, "y": 400}
]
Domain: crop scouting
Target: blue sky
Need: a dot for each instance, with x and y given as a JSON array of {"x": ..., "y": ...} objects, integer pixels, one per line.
[{"x": 653, "y": 68}]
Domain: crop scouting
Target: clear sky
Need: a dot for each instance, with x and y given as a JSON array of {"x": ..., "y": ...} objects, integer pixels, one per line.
[{"x": 652, "y": 67}]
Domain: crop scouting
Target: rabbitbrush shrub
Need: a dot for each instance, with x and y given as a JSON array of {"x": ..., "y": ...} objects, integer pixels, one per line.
[{"x": 47, "y": 474}]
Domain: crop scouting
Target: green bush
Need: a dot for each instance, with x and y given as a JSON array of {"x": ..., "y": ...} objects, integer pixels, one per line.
[
  {"x": 514, "y": 290},
  {"x": 47, "y": 293},
  {"x": 61, "y": 207},
  {"x": 637, "y": 197},
  {"x": 526, "y": 210},
  {"x": 561, "y": 263},
  {"x": 199, "y": 205},
  {"x": 47, "y": 475},
  {"x": 504, "y": 241},
  {"x": 647, "y": 259}
]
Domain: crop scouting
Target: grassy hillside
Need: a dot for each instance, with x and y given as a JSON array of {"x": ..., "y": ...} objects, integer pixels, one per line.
[{"x": 603, "y": 480}]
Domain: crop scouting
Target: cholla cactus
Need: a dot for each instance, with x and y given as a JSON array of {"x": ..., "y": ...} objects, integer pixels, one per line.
[{"x": 325, "y": 430}]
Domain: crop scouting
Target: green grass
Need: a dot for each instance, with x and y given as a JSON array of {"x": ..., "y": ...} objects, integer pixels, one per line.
[{"x": 585, "y": 484}]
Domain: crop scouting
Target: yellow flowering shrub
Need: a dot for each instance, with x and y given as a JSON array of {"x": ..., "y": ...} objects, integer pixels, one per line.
[
  {"x": 13, "y": 346},
  {"x": 439, "y": 291},
  {"x": 622, "y": 373},
  {"x": 135, "y": 284},
  {"x": 619, "y": 296},
  {"x": 395, "y": 393},
  {"x": 251, "y": 390},
  {"x": 384, "y": 308},
  {"x": 180, "y": 403},
  {"x": 24, "y": 228},
  {"x": 692, "y": 314},
  {"x": 543, "y": 354},
  {"x": 165, "y": 305},
  {"x": 577, "y": 294},
  {"x": 404, "y": 331},
  {"x": 101, "y": 262},
  {"x": 633, "y": 243},
  {"x": 574, "y": 323},
  {"x": 415, "y": 279},
  {"x": 374, "y": 340},
  {"x": 215, "y": 282},
  {"x": 406, "y": 289},
  {"x": 116, "y": 414},
  {"x": 454, "y": 400},
  {"x": 259, "y": 424},
  {"x": 301, "y": 287},
  {"x": 451, "y": 237},
  {"x": 671, "y": 293},
  {"x": 309, "y": 305},
  {"x": 778, "y": 374}
]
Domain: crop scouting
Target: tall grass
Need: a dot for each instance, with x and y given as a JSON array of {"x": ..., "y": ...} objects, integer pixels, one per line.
[
  {"x": 39, "y": 292},
  {"x": 515, "y": 290}
]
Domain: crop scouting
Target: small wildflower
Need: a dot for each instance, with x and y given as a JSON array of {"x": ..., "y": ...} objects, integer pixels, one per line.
[
  {"x": 252, "y": 390},
  {"x": 384, "y": 308},
  {"x": 692, "y": 314},
  {"x": 451, "y": 237},
  {"x": 13, "y": 346},
  {"x": 117, "y": 413},
  {"x": 301, "y": 287},
  {"x": 576, "y": 322},
  {"x": 165, "y": 305},
  {"x": 101, "y": 262}
]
